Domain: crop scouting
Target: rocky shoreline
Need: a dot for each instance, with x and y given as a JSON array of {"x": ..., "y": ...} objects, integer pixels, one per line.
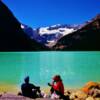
[
  {"x": 90, "y": 91},
  {"x": 73, "y": 95}
]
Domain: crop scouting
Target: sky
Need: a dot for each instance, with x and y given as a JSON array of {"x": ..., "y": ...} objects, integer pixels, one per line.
[{"x": 40, "y": 13}]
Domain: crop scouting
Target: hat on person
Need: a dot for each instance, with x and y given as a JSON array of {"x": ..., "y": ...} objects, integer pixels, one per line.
[
  {"x": 56, "y": 78},
  {"x": 26, "y": 79}
]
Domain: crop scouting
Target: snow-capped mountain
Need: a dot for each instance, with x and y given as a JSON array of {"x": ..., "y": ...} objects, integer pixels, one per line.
[
  {"x": 19, "y": 37},
  {"x": 61, "y": 29},
  {"x": 49, "y": 35},
  {"x": 86, "y": 38},
  {"x": 32, "y": 33},
  {"x": 68, "y": 37}
]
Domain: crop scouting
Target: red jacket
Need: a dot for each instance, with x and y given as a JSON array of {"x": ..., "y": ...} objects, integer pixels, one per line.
[{"x": 59, "y": 87}]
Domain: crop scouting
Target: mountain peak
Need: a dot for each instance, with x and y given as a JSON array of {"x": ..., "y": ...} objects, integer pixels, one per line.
[{"x": 97, "y": 16}]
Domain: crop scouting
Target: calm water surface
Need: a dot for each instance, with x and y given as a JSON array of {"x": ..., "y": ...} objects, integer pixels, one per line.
[{"x": 75, "y": 68}]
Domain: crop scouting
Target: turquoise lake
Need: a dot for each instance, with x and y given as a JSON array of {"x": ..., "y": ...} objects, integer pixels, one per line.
[{"x": 75, "y": 68}]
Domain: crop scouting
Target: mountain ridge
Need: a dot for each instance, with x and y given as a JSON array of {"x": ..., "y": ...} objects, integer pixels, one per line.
[
  {"x": 50, "y": 35},
  {"x": 20, "y": 37},
  {"x": 85, "y": 39},
  {"x": 12, "y": 37}
]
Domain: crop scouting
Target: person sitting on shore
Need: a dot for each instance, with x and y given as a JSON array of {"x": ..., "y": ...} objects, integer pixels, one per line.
[
  {"x": 57, "y": 88},
  {"x": 30, "y": 90}
]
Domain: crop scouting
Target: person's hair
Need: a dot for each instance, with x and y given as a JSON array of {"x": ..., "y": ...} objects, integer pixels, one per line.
[{"x": 57, "y": 78}]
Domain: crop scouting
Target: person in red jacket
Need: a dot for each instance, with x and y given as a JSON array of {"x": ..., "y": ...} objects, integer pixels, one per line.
[{"x": 57, "y": 87}]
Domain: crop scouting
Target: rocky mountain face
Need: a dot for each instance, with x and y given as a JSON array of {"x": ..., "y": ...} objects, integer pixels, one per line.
[
  {"x": 12, "y": 37},
  {"x": 83, "y": 37},
  {"x": 49, "y": 36},
  {"x": 87, "y": 38}
]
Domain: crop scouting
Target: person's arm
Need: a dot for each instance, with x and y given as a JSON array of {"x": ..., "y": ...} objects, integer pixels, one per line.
[
  {"x": 51, "y": 84},
  {"x": 33, "y": 86},
  {"x": 36, "y": 87}
]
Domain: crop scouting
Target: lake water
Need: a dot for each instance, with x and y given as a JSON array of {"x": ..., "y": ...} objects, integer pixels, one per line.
[{"x": 75, "y": 68}]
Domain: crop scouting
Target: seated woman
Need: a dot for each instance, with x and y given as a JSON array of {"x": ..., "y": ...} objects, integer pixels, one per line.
[
  {"x": 57, "y": 88},
  {"x": 30, "y": 90}
]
